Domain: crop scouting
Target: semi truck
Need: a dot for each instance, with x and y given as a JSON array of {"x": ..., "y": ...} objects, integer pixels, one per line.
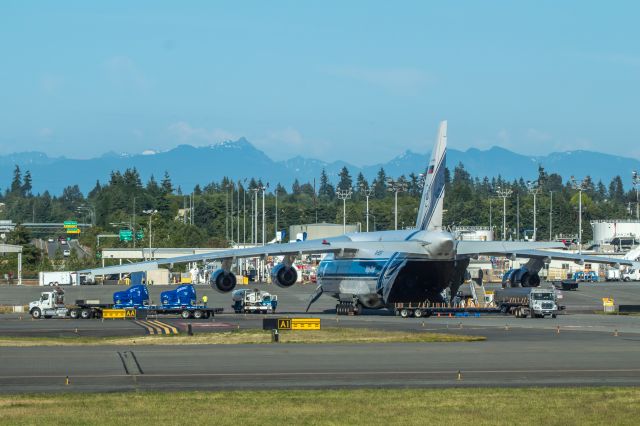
[
  {"x": 135, "y": 299},
  {"x": 254, "y": 301},
  {"x": 522, "y": 302}
]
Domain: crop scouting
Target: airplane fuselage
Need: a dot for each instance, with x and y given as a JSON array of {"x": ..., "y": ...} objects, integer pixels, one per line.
[{"x": 372, "y": 275}]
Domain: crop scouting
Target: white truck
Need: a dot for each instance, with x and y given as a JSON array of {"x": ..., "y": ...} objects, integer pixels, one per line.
[
  {"x": 254, "y": 301},
  {"x": 523, "y": 302},
  {"x": 631, "y": 275},
  {"x": 57, "y": 278},
  {"x": 613, "y": 274}
]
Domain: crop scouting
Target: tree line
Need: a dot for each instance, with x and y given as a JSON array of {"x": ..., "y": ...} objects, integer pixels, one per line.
[{"x": 223, "y": 210}]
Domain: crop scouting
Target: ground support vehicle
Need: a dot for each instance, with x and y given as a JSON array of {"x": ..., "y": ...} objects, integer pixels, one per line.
[
  {"x": 254, "y": 301},
  {"x": 613, "y": 274},
  {"x": 134, "y": 302},
  {"x": 631, "y": 275},
  {"x": 566, "y": 285},
  {"x": 589, "y": 276},
  {"x": 522, "y": 302}
]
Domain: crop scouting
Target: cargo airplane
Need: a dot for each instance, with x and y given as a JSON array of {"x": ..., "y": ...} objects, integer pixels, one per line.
[{"x": 377, "y": 269}]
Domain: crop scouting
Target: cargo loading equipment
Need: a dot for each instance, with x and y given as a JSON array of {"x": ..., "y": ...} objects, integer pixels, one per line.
[{"x": 180, "y": 301}]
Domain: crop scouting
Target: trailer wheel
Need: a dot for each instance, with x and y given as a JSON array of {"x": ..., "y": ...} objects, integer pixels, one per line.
[
  {"x": 185, "y": 314},
  {"x": 207, "y": 314},
  {"x": 405, "y": 313},
  {"x": 74, "y": 313},
  {"x": 85, "y": 314},
  {"x": 198, "y": 314},
  {"x": 418, "y": 313},
  {"x": 36, "y": 313}
]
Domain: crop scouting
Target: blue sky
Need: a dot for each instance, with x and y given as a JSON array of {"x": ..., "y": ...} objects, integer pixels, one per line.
[{"x": 355, "y": 80}]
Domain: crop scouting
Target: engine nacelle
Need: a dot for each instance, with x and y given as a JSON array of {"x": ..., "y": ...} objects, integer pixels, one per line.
[
  {"x": 222, "y": 281},
  {"x": 520, "y": 278},
  {"x": 284, "y": 276}
]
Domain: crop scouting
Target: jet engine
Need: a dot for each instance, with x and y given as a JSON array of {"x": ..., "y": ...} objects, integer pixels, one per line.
[
  {"x": 520, "y": 278},
  {"x": 284, "y": 276},
  {"x": 223, "y": 281}
]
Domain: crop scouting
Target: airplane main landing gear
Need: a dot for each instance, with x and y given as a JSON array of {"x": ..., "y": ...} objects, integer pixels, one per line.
[{"x": 343, "y": 308}]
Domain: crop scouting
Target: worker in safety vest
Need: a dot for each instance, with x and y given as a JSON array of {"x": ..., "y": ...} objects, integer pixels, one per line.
[{"x": 204, "y": 300}]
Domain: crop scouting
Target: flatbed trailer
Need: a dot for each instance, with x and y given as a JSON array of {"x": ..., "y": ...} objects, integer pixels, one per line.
[
  {"x": 420, "y": 310},
  {"x": 87, "y": 311}
]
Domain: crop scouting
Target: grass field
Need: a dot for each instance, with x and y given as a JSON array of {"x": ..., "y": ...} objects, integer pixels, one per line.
[
  {"x": 326, "y": 335},
  {"x": 470, "y": 406}
]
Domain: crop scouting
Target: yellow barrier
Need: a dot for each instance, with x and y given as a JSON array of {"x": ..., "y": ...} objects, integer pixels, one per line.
[
  {"x": 119, "y": 313},
  {"x": 305, "y": 324}
]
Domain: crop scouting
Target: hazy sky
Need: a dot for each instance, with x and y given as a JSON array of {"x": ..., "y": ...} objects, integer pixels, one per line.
[{"x": 354, "y": 80}]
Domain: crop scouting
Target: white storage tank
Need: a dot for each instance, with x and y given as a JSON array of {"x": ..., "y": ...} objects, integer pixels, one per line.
[{"x": 606, "y": 230}]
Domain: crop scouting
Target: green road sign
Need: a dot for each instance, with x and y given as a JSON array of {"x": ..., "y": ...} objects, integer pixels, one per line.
[
  {"x": 126, "y": 235},
  {"x": 139, "y": 234}
]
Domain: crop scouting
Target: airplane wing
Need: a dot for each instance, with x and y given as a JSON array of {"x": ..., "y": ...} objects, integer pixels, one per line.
[
  {"x": 539, "y": 250},
  {"x": 298, "y": 248}
]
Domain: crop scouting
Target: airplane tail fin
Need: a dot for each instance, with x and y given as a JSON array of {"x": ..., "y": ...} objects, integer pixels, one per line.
[{"x": 430, "y": 213}]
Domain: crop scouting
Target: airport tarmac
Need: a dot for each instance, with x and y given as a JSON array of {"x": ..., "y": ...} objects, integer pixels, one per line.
[{"x": 573, "y": 349}]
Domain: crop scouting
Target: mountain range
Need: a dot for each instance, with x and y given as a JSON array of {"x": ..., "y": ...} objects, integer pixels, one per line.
[{"x": 188, "y": 165}]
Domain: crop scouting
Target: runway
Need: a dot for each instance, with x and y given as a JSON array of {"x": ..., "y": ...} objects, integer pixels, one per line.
[
  {"x": 507, "y": 358},
  {"x": 573, "y": 349}
]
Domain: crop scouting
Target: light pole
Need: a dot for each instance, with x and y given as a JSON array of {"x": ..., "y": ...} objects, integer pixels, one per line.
[
  {"x": 635, "y": 179},
  {"x": 367, "y": 191},
  {"x": 504, "y": 193},
  {"x": 579, "y": 186},
  {"x": 263, "y": 188},
  {"x": 534, "y": 189},
  {"x": 550, "y": 215},
  {"x": 344, "y": 195},
  {"x": 395, "y": 187},
  {"x": 254, "y": 227},
  {"x": 150, "y": 213}
]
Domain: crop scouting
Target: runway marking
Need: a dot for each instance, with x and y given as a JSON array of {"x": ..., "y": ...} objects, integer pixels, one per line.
[
  {"x": 340, "y": 373},
  {"x": 168, "y": 329},
  {"x": 157, "y": 327}
]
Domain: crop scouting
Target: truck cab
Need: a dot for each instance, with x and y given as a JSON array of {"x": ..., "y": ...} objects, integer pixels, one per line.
[
  {"x": 542, "y": 302},
  {"x": 631, "y": 275},
  {"x": 51, "y": 303}
]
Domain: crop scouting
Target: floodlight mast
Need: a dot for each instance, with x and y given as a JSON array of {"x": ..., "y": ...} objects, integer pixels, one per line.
[
  {"x": 534, "y": 189},
  {"x": 395, "y": 187},
  {"x": 344, "y": 195},
  {"x": 504, "y": 193},
  {"x": 367, "y": 191},
  {"x": 636, "y": 183},
  {"x": 579, "y": 186}
]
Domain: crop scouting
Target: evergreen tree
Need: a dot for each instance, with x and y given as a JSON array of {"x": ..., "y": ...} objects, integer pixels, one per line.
[
  {"x": 16, "y": 183},
  {"x": 380, "y": 184},
  {"x": 295, "y": 188},
  {"x": 616, "y": 190},
  {"x": 326, "y": 190},
  {"x": 346, "y": 182},
  {"x": 361, "y": 183},
  {"x": 26, "y": 186},
  {"x": 166, "y": 185}
]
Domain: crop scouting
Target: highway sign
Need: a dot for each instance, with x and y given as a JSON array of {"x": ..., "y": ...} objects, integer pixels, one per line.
[
  {"x": 126, "y": 235},
  {"x": 70, "y": 224},
  {"x": 73, "y": 230}
]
